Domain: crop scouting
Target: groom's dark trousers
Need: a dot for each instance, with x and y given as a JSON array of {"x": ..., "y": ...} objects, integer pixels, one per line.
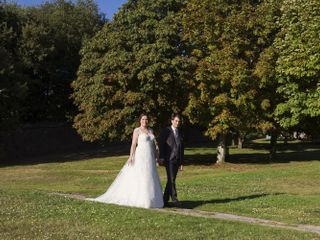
[{"x": 170, "y": 190}]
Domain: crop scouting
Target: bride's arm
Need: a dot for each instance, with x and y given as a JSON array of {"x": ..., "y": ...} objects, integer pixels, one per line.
[
  {"x": 133, "y": 146},
  {"x": 156, "y": 147}
]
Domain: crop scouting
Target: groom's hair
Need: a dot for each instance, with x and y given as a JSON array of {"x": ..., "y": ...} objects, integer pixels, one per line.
[{"x": 175, "y": 115}]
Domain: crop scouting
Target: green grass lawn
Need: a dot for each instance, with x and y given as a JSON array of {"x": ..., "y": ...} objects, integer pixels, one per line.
[{"x": 287, "y": 190}]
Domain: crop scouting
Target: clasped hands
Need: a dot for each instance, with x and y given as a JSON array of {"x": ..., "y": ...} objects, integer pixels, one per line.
[{"x": 160, "y": 162}]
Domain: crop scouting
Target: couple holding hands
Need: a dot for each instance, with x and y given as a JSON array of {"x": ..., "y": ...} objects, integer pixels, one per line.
[{"x": 138, "y": 182}]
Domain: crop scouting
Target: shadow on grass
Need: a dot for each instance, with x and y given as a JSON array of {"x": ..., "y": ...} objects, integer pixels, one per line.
[
  {"x": 296, "y": 152},
  {"x": 293, "y": 146},
  {"x": 200, "y": 159},
  {"x": 293, "y": 152},
  {"x": 295, "y": 155},
  {"x": 194, "y": 204},
  {"x": 77, "y": 155}
]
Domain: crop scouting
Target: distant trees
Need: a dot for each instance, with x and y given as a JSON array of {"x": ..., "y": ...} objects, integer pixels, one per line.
[
  {"x": 13, "y": 82},
  {"x": 40, "y": 56}
]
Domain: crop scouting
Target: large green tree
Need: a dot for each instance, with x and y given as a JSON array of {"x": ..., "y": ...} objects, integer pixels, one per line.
[
  {"x": 136, "y": 64},
  {"x": 298, "y": 65},
  {"x": 268, "y": 98},
  {"x": 228, "y": 40}
]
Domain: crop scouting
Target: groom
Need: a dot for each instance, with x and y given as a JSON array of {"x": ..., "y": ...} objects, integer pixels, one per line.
[{"x": 171, "y": 155}]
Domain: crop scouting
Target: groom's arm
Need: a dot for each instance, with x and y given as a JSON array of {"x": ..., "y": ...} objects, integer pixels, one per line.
[
  {"x": 162, "y": 141},
  {"x": 182, "y": 153}
]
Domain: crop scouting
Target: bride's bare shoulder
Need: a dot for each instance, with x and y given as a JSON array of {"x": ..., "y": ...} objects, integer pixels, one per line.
[{"x": 136, "y": 130}]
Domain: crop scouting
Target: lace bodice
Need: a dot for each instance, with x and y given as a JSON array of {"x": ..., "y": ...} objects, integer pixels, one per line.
[{"x": 145, "y": 137}]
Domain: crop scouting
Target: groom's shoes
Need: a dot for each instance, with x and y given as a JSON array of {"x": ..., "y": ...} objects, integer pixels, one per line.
[{"x": 176, "y": 203}]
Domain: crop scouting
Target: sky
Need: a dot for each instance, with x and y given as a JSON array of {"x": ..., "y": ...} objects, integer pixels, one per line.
[{"x": 109, "y": 7}]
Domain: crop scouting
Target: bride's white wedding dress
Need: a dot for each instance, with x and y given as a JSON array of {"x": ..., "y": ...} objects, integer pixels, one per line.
[{"x": 137, "y": 184}]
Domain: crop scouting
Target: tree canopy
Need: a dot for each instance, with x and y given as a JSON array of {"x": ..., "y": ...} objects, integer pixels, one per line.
[
  {"x": 13, "y": 83},
  {"x": 231, "y": 66},
  {"x": 231, "y": 44},
  {"x": 298, "y": 65},
  {"x": 137, "y": 63},
  {"x": 40, "y": 56}
]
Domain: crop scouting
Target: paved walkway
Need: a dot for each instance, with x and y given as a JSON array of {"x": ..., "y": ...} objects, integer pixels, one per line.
[{"x": 223, "y": 216}]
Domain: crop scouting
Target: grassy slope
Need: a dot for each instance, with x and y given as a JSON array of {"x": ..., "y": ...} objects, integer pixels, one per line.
[{"x": 287, "y": 191}]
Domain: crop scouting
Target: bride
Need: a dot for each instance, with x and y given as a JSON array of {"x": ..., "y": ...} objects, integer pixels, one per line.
[{"x": 138, "y": 182}]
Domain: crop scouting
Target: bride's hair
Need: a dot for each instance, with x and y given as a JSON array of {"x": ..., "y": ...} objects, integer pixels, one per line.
[{"x": 142, "y": 115}]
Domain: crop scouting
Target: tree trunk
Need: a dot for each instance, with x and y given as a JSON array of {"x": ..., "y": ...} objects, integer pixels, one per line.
[
  {"x": 222, "y": 150},
  {"x": 240, "y": 142},
  {"x": 233, "y": 142},
  {"x": 273, "y": 145},
  {"x": 285, "y": 139}
]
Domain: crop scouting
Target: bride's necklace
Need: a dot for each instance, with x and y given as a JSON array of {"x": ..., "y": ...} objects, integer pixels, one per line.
[{"x": 144, "y": 130}]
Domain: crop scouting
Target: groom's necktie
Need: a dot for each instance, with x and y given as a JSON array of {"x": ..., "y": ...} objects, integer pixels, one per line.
[{"x": 175, "y": 133}]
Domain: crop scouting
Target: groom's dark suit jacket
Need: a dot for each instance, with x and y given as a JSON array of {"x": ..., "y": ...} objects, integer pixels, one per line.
[{"x": 171, "y": 149}]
